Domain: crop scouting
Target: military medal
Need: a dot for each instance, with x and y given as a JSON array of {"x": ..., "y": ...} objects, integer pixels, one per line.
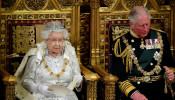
[
  {"x": 157, "y": 43},
  {"x": 152, "y": 44},
  {"x": 147, "y": 47},
  {"x": 147, "y": 41},
  {"x": 157, "y": 56},
  {"x": 142, "y": 46}
]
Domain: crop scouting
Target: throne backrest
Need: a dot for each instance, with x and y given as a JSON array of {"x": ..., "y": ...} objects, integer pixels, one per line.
[{"x": 23, "y": 35}]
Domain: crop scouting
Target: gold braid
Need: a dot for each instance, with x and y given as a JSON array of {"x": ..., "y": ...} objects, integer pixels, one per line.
[{"x": 125, "y": 53}]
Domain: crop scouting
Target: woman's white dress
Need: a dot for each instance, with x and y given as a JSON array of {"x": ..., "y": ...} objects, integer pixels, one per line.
[{"x": 38, "y": 75}]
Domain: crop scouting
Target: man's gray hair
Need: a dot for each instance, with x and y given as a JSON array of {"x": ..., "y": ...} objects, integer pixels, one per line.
[
  {"x": 136, "y": 12},
  {"x": 54, "y": 26}
]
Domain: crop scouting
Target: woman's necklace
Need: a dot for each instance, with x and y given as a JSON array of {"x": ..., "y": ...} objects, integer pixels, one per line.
[
  {"x": 50, "y": 71},
  {"x": 157, "y": 67}
]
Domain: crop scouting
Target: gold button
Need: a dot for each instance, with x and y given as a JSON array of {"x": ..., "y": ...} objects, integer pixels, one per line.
[
  {"x": 132, "y": 40},
  {"x": 138, "y": 82}
]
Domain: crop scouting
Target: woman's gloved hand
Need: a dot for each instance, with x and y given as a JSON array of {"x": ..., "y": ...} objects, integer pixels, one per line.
[
  {"x": 79, "y": 78},
  {"x": 43, "y": 89}
]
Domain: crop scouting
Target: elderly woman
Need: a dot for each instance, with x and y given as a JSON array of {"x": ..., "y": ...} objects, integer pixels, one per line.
[{"x": 52, "y": 62}]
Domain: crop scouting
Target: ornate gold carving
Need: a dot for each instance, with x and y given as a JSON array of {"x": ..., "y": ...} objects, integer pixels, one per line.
[
  {"x": 10, "y": 82},
  {"x": 106, "y": 84},
  {"x": 95, "y": 4},
  {"x": 120, "y": 7},
  {"x": 104, "y": 9},
  {"x": 91, "y": 79},
  {"x": 10, "y": 91},
  {"x": 7, "y": 4},
  {"x": 35, "y": 4},
  {"x": 76, "y": 2},
  {"x": 149, "y": 6},
  {"x": 129, "y": 4},
  {"x": 50, "y": 6},
  {"x": 10, "y": 79},
  {"x": 108, "y": 2},
  {"x": 85, "y": 37},
  {"x": 91, "y": 90},
  {"x": 23, "y": 38},
  {"x": 66, "y": 2},
  {"x": 21, "y": 6},
  {"x": 110, "y": 91},
  {"x": 166, "y": 7},
  {"x": 62, "y": 2}
]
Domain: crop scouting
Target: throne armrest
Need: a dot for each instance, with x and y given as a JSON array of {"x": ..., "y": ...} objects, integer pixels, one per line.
[
  {"x": 9, "y": 82},
  {"x": 90, "y": 86},
  {"x": 107, "y": 84}
]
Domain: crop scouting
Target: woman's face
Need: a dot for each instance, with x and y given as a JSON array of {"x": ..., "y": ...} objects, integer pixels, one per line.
[{"x": 55, "y": 42}]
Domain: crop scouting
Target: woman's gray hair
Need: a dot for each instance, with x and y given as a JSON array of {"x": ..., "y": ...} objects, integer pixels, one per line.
[
  {"x": 138, "y": 10},
  {"x": 54, "y": 26}
]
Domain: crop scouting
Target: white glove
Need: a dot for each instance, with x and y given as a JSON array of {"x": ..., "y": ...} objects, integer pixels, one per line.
[
  {"x": 43, "y": 90},
  {"x": 79, "y": 78}
]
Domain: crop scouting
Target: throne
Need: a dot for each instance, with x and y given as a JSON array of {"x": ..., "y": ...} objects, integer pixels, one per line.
[
  {"x": 28, "y": 31},
  {"x": 21, "y": 23},
  {"x": 89, "y": 90},
  {"x": 113, "y": 20}
]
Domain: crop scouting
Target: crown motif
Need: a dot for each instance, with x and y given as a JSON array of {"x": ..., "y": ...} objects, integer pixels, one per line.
[{"x": 54, "y": 25}]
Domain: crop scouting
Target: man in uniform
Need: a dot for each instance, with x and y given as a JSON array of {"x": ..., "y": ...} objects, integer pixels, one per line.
[{"x": 141, "y": 60}]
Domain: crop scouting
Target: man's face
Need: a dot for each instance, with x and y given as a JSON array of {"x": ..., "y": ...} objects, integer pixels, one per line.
[{"x": 141, "y": 26}]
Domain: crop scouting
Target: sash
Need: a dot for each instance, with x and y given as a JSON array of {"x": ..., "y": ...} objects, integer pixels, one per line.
[{"x": 146, "y": 55}]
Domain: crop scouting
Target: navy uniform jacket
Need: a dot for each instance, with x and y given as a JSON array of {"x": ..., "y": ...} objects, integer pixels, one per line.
[{"x": 152, "y": 90}]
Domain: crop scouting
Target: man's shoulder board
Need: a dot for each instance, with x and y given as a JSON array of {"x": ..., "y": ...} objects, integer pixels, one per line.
[
  {"x": 118, "y": 36},
  {"x": 158, "y": 30}
]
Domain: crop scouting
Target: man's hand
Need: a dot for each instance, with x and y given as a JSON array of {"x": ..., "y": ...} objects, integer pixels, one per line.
[
  {"x": 170, "y": 73},
  {"x": 138, "y": 96}
]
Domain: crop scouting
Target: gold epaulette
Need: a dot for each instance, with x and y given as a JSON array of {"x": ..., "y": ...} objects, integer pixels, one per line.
[
  {"x": 122, "y": 54},
  {"x": 158, "y": 30},
  {"x": 126, "y": 87},
  {"x": 172, "y": 68},
  {"x": 115, "y": 37}
]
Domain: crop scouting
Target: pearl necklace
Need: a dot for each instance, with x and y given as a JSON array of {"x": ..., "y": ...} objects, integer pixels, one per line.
[
  {"x": 157, "y": 67},
  {"x": 50, "y": 71}
]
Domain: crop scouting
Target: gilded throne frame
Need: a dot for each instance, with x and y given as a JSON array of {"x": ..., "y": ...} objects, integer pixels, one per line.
[{"x": 27, "y": 15}]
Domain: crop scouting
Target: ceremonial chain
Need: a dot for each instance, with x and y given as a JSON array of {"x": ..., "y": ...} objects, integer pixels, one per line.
[
  {"x": 157, "y": 67},
  {"x": 53, "y": 74}
]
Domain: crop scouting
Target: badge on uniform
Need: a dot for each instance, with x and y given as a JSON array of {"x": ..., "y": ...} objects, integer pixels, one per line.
[
  {"x": 157, "y": 56},
  {"x": 152, "y": 44}
]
